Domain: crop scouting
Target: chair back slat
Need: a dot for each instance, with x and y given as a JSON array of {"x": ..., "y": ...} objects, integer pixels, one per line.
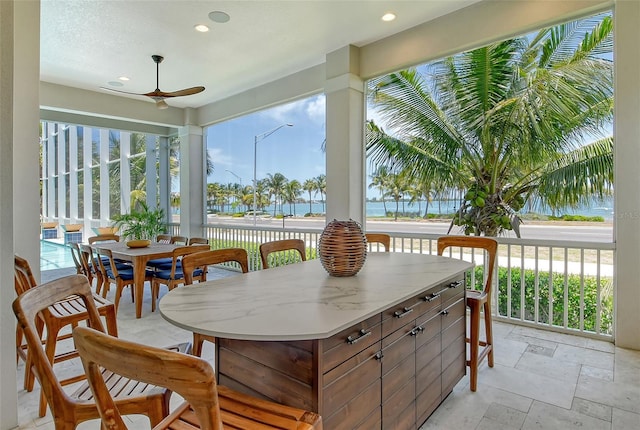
[
  {"x": 217, "y": 256},
  {"x": 26, "y": 308},
  {"x": 381, "y": 238},
  {"x": 477, "y": 242},
  {"x": 191, "y": 377},
  {"x": 280, "y": 246}
]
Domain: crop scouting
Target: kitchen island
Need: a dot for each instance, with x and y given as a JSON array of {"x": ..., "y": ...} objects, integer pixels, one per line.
[{"x": 381, "y": 349}]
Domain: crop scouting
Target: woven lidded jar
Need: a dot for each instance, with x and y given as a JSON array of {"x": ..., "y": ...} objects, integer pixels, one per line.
[{"x": 342, "y": 248}]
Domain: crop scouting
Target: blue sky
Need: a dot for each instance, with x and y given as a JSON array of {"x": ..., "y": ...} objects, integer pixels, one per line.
[{"x": 296, "y": 151}]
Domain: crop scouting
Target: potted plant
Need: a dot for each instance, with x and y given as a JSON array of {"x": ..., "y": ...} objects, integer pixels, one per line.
[{"x": 142, "y": 226}]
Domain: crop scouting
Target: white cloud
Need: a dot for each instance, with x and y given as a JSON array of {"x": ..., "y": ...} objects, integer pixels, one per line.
[
  {"x": 316, "y": 109},
  {"x": 220, "y": 158}
]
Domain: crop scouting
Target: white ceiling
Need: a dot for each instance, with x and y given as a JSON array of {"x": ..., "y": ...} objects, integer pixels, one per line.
[{"x": 89, "y": 43}]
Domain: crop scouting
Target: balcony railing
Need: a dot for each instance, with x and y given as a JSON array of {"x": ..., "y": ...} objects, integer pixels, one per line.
[{"x": 562, "y": 286}]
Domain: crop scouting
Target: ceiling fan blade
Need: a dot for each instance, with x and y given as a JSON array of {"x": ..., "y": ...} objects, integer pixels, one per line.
[
  {"x": 120, "y": 91},
  {"x": 185, "y": 92}
]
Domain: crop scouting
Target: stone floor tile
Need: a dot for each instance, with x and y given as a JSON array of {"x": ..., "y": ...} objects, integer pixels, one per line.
[
  {"x": 551, "y": 336},
  {"x": 508, "y": 352},
  {"x": 506, "y": 416},
  {"x": 540, "y": 350},
  {"x": 533, "y": 341},
  {"x": 544, "y": 417},
  {"x": 627, "y": 366},
  {"x": 550, "y": 367},
  {"x": 489, "y": 424},
  {"x": 600, "y": 345},
  {"x": 595, "y": 410},
  {"x": 624, "y": 420},
  {"x": 531, "y": 385},
  {"x": 596, "y": 372},
  {"x": 617, "y": 394},
  {"x": 590, "y": 357}
]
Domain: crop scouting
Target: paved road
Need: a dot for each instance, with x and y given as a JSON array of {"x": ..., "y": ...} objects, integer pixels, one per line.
[{"x": 583, "y": 233}]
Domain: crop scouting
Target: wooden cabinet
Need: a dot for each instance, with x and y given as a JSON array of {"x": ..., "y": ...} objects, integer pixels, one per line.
[{"x": 389, "y": 371}]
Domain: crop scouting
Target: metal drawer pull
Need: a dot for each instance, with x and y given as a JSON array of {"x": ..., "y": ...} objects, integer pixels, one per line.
[
  {"x": 362, "y": 334},
  {"x": 378, "y": 355},
  {"x": 405, "y": 311},
  {"x": 445, "y": 313},
  {"x": 431, "y": 297},
  {"x": 455, "y": 284},
  {"x": 416, "y": 331}
]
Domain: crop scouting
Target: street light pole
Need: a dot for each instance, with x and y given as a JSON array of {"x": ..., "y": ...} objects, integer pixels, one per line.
[
  {"x": 257, "y": 138},
  {"x": 239, "y": 178}
]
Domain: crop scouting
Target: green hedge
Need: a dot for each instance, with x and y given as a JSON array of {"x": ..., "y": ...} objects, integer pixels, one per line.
[{"x": 527, "y": 278}]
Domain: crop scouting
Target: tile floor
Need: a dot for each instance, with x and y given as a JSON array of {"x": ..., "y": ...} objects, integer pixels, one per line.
[{"x": 541, "y": 380}]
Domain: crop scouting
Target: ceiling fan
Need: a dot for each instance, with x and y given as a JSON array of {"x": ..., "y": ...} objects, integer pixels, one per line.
[{"x": 159, "y": 95}]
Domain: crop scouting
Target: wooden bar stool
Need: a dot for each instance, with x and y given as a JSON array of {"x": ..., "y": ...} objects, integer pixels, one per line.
[
  {"x": 280, "y": 246},
  {"x": 477, "y": 301},
  {"x": 378, "y": 239}
]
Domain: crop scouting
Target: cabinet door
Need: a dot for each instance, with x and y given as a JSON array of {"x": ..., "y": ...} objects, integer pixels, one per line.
[
  {"x": 453, "y": 345},
  {"x": 352, "y": 391},
  {"x": 398, "y": 377}
]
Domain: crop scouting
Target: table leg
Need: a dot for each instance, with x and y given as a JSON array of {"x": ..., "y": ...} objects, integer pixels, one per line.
[{"x": 139, "y": 275}]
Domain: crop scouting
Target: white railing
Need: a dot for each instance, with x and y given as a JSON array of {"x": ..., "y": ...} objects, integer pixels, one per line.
[{"x": 556, "y": 285}]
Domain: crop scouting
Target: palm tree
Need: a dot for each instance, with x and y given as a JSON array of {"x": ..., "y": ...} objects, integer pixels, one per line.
[
  {"x": 309, "y": 186},
  {"x": 380, "y": 180},
  {"x": 292, "y": 191},
  {"x": 276, "y": 184},
  {"x": 321, "y": 187},
  {"x": 396, "y": 189},
  {"x": 506, "y": 122}
]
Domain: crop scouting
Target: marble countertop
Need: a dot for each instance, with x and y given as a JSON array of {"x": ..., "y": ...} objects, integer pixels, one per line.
[{"x": 301, "y": 301}]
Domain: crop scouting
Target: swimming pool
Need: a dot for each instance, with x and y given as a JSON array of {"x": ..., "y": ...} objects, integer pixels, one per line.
[{"x": 54, "y": 256}]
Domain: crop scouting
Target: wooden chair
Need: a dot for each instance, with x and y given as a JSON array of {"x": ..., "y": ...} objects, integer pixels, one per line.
[
  {"x": 378, "y": 238},
  {"x": 174, "y": 276},
  {"x": 68, "y": 311},
  {"x": 92, "y": 266},
  {"x": 75, "y": 255},
  {"x": 68, "y": 410},
  {"x": 104, "y": 238},
  {"x": 206, "y": 258},
  {"x": 179, "y": 240},
  {"x": 477, "y": 301},
  {"x": 112, "y": 273},
  {"x": 207, "y": 405},
  {"x": 280, "y": 246},
  {"x": 198, "y": 241},
  {"x": 163, "y": 238}
]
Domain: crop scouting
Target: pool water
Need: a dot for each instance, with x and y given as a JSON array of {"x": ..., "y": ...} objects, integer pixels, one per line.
[{"x": 54, "y": 256}]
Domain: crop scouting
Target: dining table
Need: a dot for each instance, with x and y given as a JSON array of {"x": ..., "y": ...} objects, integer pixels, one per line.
[
  {"x": 138, "y": 257},
  {"x": 385, "y": 345}
]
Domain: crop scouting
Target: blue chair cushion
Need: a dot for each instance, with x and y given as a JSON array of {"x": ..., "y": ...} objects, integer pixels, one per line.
[
  {"x": 166, "y": 274},
  {"x": 155, "y": 263},
  {"x": 127, "y": 274}
]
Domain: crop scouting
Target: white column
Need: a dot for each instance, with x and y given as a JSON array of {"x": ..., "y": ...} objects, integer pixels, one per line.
[
  {"x": 51, "y": 169},
  {"x": 125, "y": 172},
  {"x": 73, "y": 174},
  {"x": 150, "y": 169},
  {"x": 104, "y": 174},
  {"x": 62, "y": 173},
  {"x": 627, "y": 180},
  {"x": 87, "y": 151},
  {"x": 345, "y": 106},
  {"x": 8, "y": 406},
  {"x": 192, "y": 179},
  {"x": 163, "y": 174}
]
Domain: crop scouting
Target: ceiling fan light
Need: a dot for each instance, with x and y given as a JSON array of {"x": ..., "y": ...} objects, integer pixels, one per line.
[{"x": 161, "y": 104}]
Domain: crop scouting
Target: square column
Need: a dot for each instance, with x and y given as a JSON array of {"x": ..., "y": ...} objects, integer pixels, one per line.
[{"x": 345, "y": 149}]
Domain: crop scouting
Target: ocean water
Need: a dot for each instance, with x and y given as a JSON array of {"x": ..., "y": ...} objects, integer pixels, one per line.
[{"x": 377, "y": 209}]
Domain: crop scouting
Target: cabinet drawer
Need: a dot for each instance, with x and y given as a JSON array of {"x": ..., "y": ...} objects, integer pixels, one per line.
[
  {"x": 349, "y": 342},
  {"x": 451, "y": 289},
  {"x": 397, "y": 347},
  {"x": 397, "y": 316}
]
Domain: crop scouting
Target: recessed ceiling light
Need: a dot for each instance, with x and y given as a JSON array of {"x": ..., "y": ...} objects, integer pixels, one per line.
[
  {"x": 201, "y": 28},
  {"x": 115, "y": 83},
  {"x": 219, "y": 16},
  {"x": 123, "y": 78},
  {"x": 389, "y": 16}
]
